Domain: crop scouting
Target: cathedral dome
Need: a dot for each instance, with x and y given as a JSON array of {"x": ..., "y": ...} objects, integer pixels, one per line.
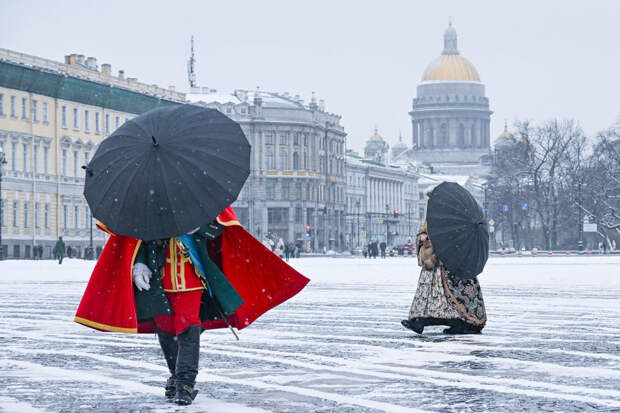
[
  {"x": 450, "y": 66},
  {"x": 505, "y": 138},
  {"x": 376, "y": 137}
]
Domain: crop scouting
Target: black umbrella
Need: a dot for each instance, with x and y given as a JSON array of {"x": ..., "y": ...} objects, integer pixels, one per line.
[
  {"x": 457, "y": 229},
  {"x": 167, "y": 172}
]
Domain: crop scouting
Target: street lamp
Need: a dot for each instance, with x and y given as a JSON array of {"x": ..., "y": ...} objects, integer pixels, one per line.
[
  {"x": 357, "y": 204},
  {"x": 2, "y": 163}
]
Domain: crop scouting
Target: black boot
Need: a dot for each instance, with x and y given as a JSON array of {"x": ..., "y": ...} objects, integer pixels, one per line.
[
  {"x": 170, "y": 348},
  {"x": 416, "y": 324},
  {"x": 458, "y": 326},
  {"x": 187, "y": 365}
]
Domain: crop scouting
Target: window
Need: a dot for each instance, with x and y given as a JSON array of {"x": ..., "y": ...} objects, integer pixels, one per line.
[
  {"x": 117, "y": 122},
  {"x": 13, "y": 109},
  {"x": 75, "y": 164},
  {"x": 298, "y": 215},
  {"x": 46, "y": 159},
  {"x": 285, "y": 190},
  {"x": 1, "y": 104},
  {"x": 305, "y": 161},
  {"x": 36, "y": 159},
  {"x": 296, "y": 138},
  {"x": 107, "y": 123},
  {"x": 15, "y": 214},
  {"x": 46, "y": 216},
  {"x": 284, "y": 139},
  {"x": 270, "y": 190},
  {"x": 87, "y": 120},
  {"x": 24, "y": 108},
  {"x": 13, "y": 156},
  {"x": 36, "y": 215},
  {"x": 268, "y": 138},
  {"x": 269, "y": 160},
  {"x": 76, "y": 118},
  {"x": 97, "y": 122},
  {"x": 26, "y": 215},
  {"x": 35, "y": 111},
  {"x": 305, "y": 139},
  {"x": 25, "y": 157},
  {"x": 64, "y": 116},
  {"x": 2, "y": 209},
  {"x": 86, "y": 156},
  {"x": 283, "y": 160},
  {"x": 298, "y": 190},
  {"x": 65, "y": 216},
  {"x": 76, "y": 216},
  {"x": 295, "y": 160},
  {"x": 64, "y": 162},
  {"x": 46, "y": 118}
]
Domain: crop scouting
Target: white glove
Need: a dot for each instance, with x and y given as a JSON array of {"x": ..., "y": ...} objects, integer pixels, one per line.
[{"x": 141, "y": 276}]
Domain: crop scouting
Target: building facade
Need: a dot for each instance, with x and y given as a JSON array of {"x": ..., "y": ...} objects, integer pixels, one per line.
[
  {"x": 381, "y": 199},
  {"x": 52, "y": 118},
  {"x": 450, "y": 115},
  {"x": 296, "y": 187}
]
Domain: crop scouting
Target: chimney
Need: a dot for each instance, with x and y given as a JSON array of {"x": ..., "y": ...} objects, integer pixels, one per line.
[
  {"x": 106, "y": 69},
  {"x": 121, "y": 74},
  {"x": 72, "y": 59},
  {"x": 91, "y": 62},
  {"x": 67, "y": 59},
  {"x": 132, "y": 79},
  {"x": 80, "y": 59}
]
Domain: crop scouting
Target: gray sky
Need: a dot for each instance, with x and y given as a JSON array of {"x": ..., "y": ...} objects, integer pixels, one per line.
[{"x": 538, "y": 59}]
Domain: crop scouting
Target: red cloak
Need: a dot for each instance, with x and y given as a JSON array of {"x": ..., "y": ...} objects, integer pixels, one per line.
[{"x": 260, "y": 277}]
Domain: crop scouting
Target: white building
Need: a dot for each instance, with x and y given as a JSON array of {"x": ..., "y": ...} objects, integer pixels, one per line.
[{"x": 381, "y": 200}]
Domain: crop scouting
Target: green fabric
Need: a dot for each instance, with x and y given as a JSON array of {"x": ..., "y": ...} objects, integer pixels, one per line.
[
  {"x": 224, "y": 292},
  {"x": 153, "y": 301}
]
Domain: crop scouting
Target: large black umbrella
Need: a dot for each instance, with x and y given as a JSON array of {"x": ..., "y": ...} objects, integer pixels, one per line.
[
  {"x": 167, "y": 172},
  {"x": 457, "y": 229}
]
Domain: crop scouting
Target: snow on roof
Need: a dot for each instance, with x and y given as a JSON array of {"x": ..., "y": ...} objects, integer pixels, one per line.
[
  {"x": 270, "y": 99},
  {"x": 435, "y": 179}
]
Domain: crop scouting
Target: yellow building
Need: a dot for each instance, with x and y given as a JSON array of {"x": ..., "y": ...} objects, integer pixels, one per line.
[{"x": 52, "y": 118}]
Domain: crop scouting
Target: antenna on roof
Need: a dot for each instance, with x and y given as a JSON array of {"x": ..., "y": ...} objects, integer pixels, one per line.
[{"x": 191, "y": 67}]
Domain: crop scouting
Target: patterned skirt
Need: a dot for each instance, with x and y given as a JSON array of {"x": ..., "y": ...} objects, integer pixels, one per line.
[{"x": 442, "y": 295}]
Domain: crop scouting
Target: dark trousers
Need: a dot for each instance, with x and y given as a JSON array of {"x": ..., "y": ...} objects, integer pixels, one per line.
[{"x": 181, "y": 354}]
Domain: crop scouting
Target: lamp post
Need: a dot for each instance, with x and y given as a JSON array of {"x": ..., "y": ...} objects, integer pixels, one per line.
[
  {"x": 357, "y": 236},
  {"x": 2, "y": 163}
]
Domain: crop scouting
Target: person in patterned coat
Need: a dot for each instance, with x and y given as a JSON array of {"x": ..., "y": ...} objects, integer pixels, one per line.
[{"x": 442, "y": 298}]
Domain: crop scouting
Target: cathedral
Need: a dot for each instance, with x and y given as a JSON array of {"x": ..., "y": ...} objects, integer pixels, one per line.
[{"x": 450, "y": 115}]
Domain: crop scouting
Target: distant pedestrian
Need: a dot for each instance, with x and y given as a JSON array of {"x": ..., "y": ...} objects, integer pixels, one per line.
[
  {"x": 383, "y": 246},
  {"x": 287, "y": 251},
  {"x": 296, "y": 251},
  {"x": 40, "y": 249},
  {"x": 375, "y": 249},
  {"x": 59, "y": 250}
]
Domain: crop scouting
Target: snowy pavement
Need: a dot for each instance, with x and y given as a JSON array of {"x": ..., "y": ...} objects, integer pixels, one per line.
[{"x": 552, "y": 343}]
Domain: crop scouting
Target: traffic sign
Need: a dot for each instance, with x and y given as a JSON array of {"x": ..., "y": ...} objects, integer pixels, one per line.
[
  {"x": 505, "y": 208},
  {"x": 589, "y": 228},
  {"x": 524, "y": 207},
  {"x": 491, "y": 222}
]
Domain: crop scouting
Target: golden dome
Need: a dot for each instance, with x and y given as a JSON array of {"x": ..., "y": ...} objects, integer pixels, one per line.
[
  {"x": 376, "y": 136},
  {"x": 506, "y": 133},
  {"x": 451, "y": 67},
  {"x": 400, "y": 143}
]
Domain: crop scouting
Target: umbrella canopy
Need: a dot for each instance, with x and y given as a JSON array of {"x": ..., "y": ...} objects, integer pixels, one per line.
[
  {"x": 167, "y": 172},
  {"x": 457, "y": 229}
]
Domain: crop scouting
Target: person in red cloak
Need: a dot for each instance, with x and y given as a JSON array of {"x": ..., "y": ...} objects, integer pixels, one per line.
[{"x": 146, "y": 287}]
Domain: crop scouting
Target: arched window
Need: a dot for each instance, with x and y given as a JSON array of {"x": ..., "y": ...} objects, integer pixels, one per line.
[
  {"x": 283, "y": 160},
  {"x": 295, "y": 161}
]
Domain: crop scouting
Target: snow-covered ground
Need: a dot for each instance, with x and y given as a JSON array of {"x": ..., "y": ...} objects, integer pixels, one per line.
[{"x": 552, "y": 343}]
